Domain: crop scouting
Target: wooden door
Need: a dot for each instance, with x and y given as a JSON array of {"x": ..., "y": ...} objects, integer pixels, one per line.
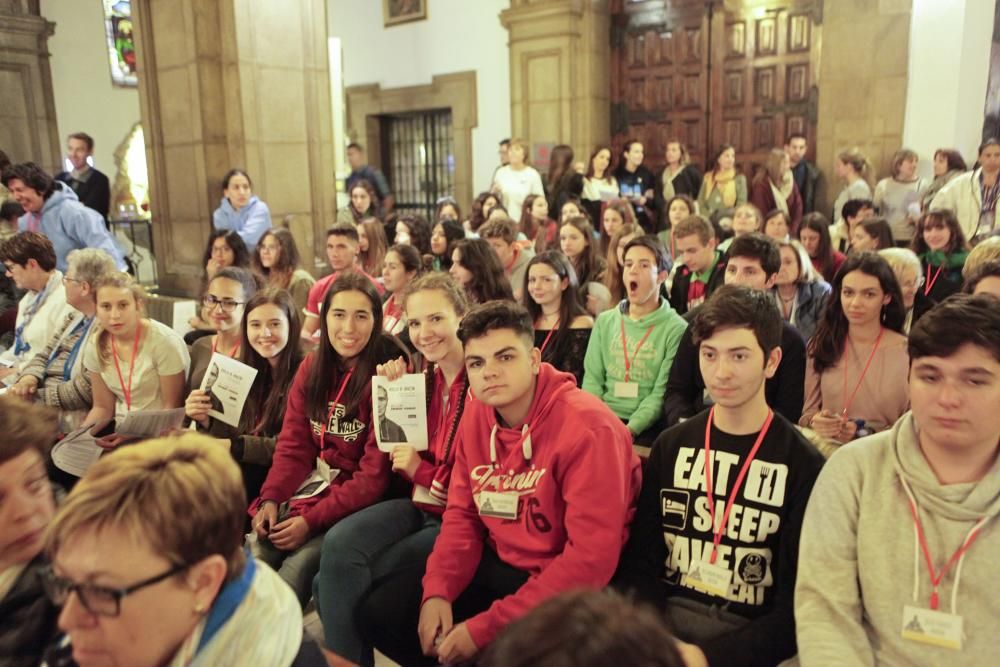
[
  {"x": 711, "y": 72},
  {"x": 659, "y": 76},
  {"x": 765, "y": 86}
]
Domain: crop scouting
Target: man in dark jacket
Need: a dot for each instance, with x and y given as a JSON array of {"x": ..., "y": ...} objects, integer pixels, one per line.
[
  {"x": 753, "y": 261},
  {"x": 91, "y": 186},
  {"x": 805, "y": 173}
]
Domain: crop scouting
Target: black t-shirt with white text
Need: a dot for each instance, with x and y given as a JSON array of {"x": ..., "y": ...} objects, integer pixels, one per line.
[{"x": 673, "y": 531}]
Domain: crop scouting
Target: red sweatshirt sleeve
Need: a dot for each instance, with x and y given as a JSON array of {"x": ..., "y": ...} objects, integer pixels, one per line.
[
  {"x": 296, "y": 451},
  {"x": 459, "y": 546},
  {"x": 596, "y": 485},
  {"x": 364, "y": 488}
]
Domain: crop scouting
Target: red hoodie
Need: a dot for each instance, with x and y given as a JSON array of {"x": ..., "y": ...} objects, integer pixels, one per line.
[
  {"x": 434, "y": 471},
  {"x": 578, "y": 495},
  {"x": 349, "y": 446}
]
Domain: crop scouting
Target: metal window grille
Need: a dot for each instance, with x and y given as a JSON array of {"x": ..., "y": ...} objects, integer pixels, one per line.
[{"x": 419, "y": 152}]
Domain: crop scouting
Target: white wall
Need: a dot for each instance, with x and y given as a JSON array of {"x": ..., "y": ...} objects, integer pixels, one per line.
[
  {"x": 950, "y": 44},
  {"x": 81, "y": 77},
  {"x": 457, "y": 36}
]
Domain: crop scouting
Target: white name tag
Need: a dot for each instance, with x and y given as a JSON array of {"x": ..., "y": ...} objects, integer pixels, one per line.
[
  {"x": 710, "y": 578},
  {"x": 498, "y": 505},
  {"x": 626, "y": 390},
  {"x": 932, "y": 627}
]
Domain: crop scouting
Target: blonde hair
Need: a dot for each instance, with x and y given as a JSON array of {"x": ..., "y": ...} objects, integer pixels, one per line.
[
  {"x": 902, "y": 259},
  {"x": 807, "y": 274},
  {"x": 859, "y": 162},
  {"x": 441, "y": 282},
  {"x": 987, "y": 250},
  {"x": 182, "y": 496},
  {"x": 117, "y": 280}
]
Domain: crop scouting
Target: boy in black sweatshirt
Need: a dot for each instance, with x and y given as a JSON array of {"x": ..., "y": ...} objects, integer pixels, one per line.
[{"x": 717, "y": 545}]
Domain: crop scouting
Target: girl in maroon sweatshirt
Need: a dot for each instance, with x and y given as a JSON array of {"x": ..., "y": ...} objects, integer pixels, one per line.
[
  {"x": 380, "y": 539},
  {"x": 326, "y": 437}
]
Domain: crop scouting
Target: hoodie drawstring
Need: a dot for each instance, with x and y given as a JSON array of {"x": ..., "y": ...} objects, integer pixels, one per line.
[
  {"x": 921, "y": 544},
  {"x": 525, "y": 443}
]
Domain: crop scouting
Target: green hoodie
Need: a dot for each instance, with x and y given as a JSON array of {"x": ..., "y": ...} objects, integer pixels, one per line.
[{"x": 604, "y": 364}]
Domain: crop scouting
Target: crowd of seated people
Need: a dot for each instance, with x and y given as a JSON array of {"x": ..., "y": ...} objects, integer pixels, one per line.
[{"x": 774, "y": 436}]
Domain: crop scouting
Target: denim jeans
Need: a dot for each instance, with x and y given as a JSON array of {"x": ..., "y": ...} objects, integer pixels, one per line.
[
  {"x": 297, "y": 568},
  {"x": 361, "y": 549}
]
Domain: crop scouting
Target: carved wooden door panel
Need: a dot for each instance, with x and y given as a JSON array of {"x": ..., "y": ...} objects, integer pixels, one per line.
[
  {"x": 659, "y": 75},
  {"x": 711, "y": 72},
  {"x": 765, "y": 87}
]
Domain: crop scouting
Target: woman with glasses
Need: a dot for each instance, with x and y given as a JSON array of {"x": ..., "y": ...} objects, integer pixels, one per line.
[
  {"x": 55, "y": 376},
  {"x": 149, "y": 568},
  {"x": 225, "y": 248},
  {"x": 26, "y": 509},
  {"x": 224, "y": 303},
  {"x": 134, "y": 363},
  {"x": 30, "y": 260}
]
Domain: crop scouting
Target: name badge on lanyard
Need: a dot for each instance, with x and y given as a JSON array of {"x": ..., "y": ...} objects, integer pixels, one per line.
[
  {"x": 936, "y": 628},
  {"x": 498, "y": 505},
  {"x": 710, "y": 578},
  {"x": 626, "y": 390}
]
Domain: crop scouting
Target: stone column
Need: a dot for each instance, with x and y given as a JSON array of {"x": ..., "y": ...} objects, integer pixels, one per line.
[
  {"x": 862, "y": 97},
  {"x": 559, "y": 67},
  {"x": 28, "y": 111},
  {"x": 234, "y": 83}
]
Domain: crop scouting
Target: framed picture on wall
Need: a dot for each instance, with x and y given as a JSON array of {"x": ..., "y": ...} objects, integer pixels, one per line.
[
  {"x": 121, "y": 45},
  {"x": 395, "y": 12}
]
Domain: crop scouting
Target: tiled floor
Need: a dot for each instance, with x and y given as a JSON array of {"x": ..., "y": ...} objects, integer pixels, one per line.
[{"x": 314, "y": 627}]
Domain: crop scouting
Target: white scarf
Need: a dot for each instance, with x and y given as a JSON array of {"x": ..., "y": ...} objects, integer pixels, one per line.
[{"x": 264, "y": 629}]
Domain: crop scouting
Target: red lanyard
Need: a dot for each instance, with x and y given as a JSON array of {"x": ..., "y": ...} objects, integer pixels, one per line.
[
  {"x": 333, "y": 406},
  {"x": 930, "y": 281},
  {"x": 635, "y": 353},
  {"x": 717, "y": 532},
  {"x": 847, "y": 359},
  {"x": 548, "y": 336},
  {"x": 937, "y": 577},
  {"x": 232, "y": 354},
  {"x": 127, "y": 390}
]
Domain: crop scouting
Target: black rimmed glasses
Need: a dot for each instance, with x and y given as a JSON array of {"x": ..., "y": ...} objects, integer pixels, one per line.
[
  {"x": 228, "y": 305},
  {"x": 99, "y": 600}
]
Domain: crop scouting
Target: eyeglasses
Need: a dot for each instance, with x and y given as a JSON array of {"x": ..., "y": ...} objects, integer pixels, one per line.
[
  {"x": 67, "y": 279},
  {"x": 228, "y": 305},
  {"x": 99, "y": 600}
]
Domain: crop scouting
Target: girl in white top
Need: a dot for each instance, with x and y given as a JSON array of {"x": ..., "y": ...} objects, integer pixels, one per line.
[
  {"x": 599, "y": 184},
  {"x": 134, "y": 363},
  {"x": 517, "y": 179},
  {"x": 856, "y": 171}
]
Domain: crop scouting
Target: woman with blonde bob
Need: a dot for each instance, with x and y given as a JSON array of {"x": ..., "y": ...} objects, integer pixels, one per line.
[
  {"x": 149, "y": 568},
  {"x": 800, "y": 290}
]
